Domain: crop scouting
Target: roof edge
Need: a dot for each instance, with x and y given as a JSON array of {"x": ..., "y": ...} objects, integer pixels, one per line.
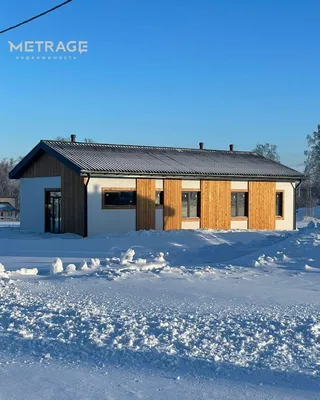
[
  {"x": 244, "y": 177},
  {"x": 141, "y": 146},
  {"x": 17, "y": 171}
]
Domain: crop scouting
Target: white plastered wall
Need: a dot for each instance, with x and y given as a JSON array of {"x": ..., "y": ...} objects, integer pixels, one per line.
[
  {"x": 159, "y": 219},
  {"x": 239, "y": 185},
  {"x": 288, "y": 203},
  {"x": 239, "y": 224},
  {"x": 102, "y": 220},
  {"x": 193, "y": 185},
  {"x": 190, "y": 224},
  {"x": 159, "y": 184},
  {"x": 32, "y": 202}
]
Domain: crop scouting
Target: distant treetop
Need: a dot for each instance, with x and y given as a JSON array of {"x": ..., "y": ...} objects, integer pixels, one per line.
[{"x": 267, "y": 150}]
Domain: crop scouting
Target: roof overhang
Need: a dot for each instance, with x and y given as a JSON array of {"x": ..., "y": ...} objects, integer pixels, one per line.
[
  {"x": 41, "y": 148},
  {"x": 265, "y": 178}
]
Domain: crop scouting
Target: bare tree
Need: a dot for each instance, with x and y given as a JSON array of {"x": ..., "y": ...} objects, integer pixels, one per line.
[
  {"x": 267, "y": 150},
  {"x": 8, "y": 187},
  {"x": 312, "y": 163},
  {"x": 62, "y": 139},
  {"x": 68, "y": 139},
  {"x": 312, "y": 168}
]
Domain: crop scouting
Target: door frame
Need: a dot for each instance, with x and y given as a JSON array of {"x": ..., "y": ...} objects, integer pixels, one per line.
[{"x": 46, "y": 191}]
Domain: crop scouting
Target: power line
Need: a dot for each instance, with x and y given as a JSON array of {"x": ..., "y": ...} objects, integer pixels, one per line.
[{"x": 36, "y": 16}]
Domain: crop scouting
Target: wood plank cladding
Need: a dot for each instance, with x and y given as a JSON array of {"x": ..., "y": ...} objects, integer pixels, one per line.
[
  {"x": 172, "y": 204},
  {"x": 146, "y": 199},
  {"x": 72, "y": 191},
  {"x": 45, "y": 165},
  {"x": 262, "y": 209},
  {"x": 215, "y": 204}
]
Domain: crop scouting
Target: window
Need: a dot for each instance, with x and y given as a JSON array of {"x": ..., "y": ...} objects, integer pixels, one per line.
[
  {"x": 190, "y": 204},
  {"x": 279, "y": 204},
  {"x": 239, "y": 204},
  {"x": 159, "y": 198},
  {"x": 122, "y": 198}
]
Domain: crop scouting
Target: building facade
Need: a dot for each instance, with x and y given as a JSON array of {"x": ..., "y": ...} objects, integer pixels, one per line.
[
  {"x": 8, "y": 208},
  {"x": 89, "y": 189}
]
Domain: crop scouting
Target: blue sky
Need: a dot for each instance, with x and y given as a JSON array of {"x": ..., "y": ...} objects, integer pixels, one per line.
[{"x": 165, "y": 73}]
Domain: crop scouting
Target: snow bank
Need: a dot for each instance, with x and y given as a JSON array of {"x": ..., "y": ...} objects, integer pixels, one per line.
[
  {"x": 245, "y": 336},
  {"x": 56, "y": 267},
  {"x": 84, "y": 266},
  {"x": 204, "y": 301},
  {"x": 26, "y": 271},
  {"x": 127, "y": 257},
  {"x": 21, "y": 271},
  {"x": 70, "y": 269},
  {"x": 95, "y": 263},
  {"x": 3, "y": 273},
  {"x": 160, "y": 257},
  {"x": 308, "y": 268}
]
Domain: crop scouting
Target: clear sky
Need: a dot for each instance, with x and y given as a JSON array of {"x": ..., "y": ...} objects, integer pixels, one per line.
[{"x": 169, "y": 72}]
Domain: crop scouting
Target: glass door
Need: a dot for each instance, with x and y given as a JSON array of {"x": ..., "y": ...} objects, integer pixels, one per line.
[{"x": 53, "y": 211}]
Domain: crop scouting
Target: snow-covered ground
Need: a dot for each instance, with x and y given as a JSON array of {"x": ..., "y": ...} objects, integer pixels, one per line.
[
  {"x": 160, "y": 315},
  {"x": 308, "y": 216}
]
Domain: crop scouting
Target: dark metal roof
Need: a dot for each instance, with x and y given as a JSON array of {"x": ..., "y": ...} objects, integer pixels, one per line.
[
  {"x": 5, "y": 206},
  {"x": 162, "y": 161}
]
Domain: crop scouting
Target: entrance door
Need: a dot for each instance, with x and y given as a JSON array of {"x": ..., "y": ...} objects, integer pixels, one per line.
[{"x": 53, "y": 211}]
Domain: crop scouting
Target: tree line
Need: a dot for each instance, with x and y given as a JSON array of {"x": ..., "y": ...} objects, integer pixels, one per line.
[
  {"x": 8, "y": 187},
  {"x": 308, "y": 192}
]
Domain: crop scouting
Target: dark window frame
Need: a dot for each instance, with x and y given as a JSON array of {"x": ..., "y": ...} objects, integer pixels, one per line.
[
  {"x": 160, "y": 204},
  {"x": 49, "y": 225},
  {"x": 118, "y": 206},
  {"x": 282, "y": 204},
  {"x": 246, "y": 207},
  {"x": 189, "y": 192}
]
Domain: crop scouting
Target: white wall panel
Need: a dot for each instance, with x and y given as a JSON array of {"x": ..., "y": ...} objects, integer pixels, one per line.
[
  {"x": 239, "y": 185},
  {"x": 190, "y": 184},
  {"x": 239, "y": 224},
  {"x": 102, "y": 220},
  {"x": 159, "y": 219},
  {"x": 287, "y": 222},
  {"x": 32, "y": 202},
  {"x": 191, "y": 224}
]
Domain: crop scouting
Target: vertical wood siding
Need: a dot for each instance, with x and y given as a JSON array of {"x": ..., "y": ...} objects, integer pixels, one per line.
[
  {"x": 72, "y": 202},
  {"x": 72, "y": 191},
  {"x": 172, "y": 204},
  {"x": 146, "y": 198},
  {"x": 262, "y": 207},
  {"x": 215, "y": 204}
]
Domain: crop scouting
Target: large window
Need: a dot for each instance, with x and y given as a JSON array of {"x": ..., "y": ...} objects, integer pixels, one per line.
[
  {"x": 239, "y": 204},
  {"x": 121, "y": 198},
  {"x": 190, "y": 204},
  {"x": 279, "y": 204}
]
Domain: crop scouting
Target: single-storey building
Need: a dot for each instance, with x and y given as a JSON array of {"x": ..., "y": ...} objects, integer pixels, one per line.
[
  {"x": 8, "y": 208},
  {"x": 91, "y": 188}
]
